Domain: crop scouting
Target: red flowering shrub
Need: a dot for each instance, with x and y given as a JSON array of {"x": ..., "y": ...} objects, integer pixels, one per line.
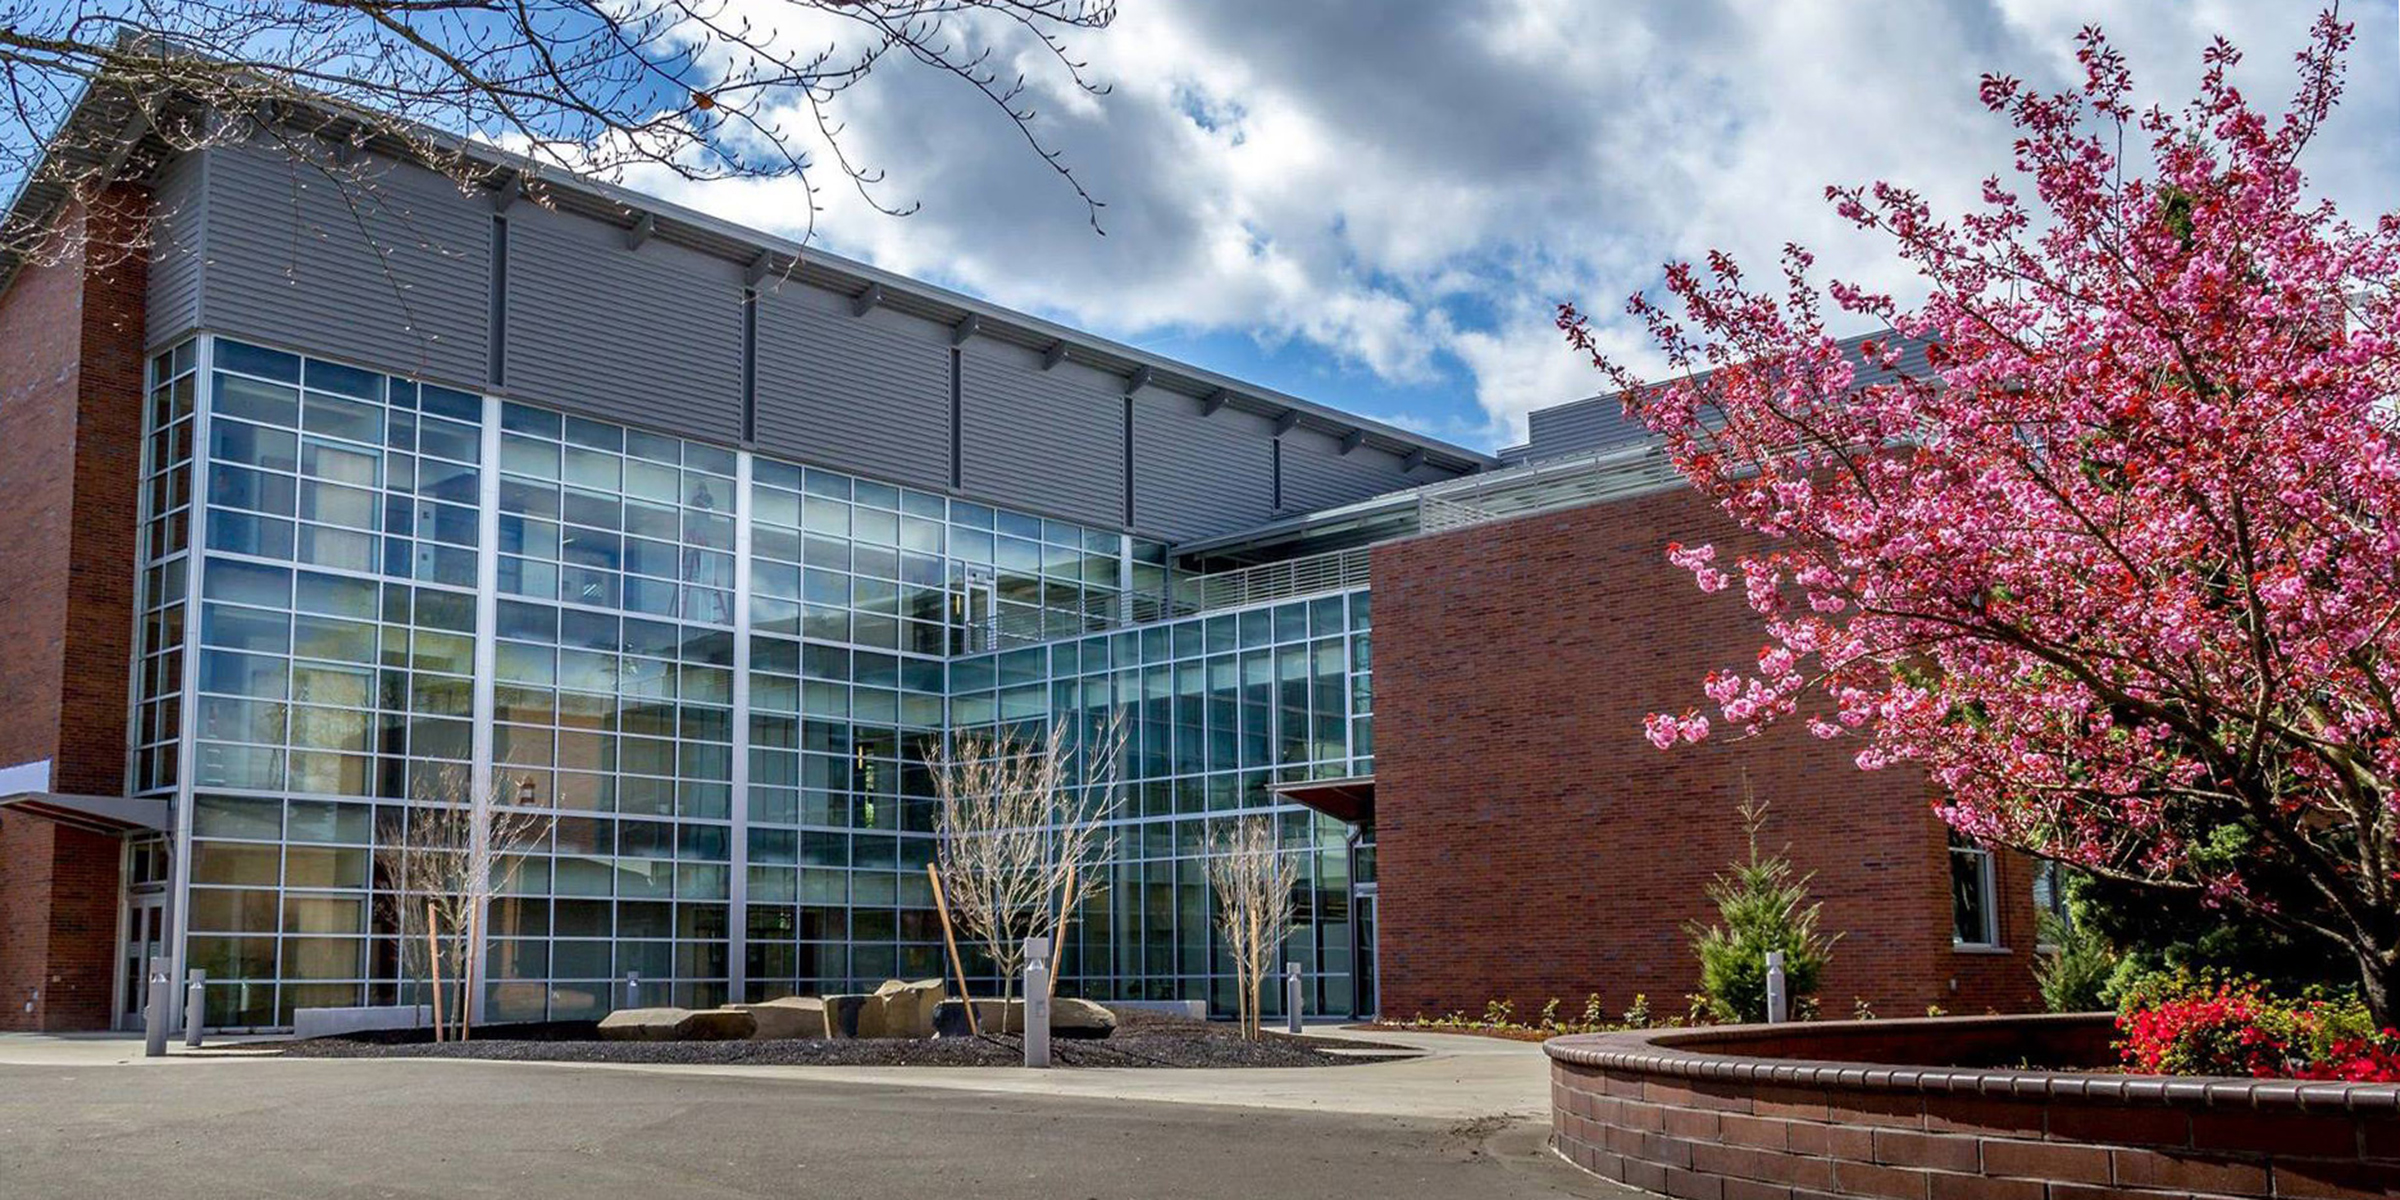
[{"x": 2176, "y": 1025}]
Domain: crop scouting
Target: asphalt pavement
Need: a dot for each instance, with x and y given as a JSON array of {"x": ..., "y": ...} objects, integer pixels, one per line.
[{"x": 86, "y": 1119}]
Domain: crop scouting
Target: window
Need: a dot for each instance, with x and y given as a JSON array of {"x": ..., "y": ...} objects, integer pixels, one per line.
[
  {"x": 2050, "y": 900},
  {"x": 1972, "y": 919}
]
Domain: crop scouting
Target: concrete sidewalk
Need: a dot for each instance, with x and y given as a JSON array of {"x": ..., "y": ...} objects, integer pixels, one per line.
[{"x": 1456, "y": 1077}]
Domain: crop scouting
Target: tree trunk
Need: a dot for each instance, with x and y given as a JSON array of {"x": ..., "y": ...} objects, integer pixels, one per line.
[{"x": 2379, "y": 984}]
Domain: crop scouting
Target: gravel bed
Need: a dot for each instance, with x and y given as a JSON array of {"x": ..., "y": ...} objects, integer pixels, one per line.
[{"x": 1142, "y": 1039}]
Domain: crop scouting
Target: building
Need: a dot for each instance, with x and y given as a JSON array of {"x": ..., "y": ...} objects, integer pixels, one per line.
[{"x": 353, "y": 484}]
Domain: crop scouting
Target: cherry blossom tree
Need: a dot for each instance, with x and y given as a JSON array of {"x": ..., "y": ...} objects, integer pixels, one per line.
[{"x": 2119, "y": 567}]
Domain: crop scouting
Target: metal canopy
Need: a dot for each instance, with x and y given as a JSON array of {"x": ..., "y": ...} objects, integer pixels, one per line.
[
  {"x": 1351, "y": 799},
  {"x": 98, "y": 814}
]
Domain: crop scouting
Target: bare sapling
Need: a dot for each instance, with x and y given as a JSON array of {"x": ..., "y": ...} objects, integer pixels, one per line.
[
  {"x": 444, "y": 861},
  {"x": 1022, "y": 835},
  {"x": 1253, "y": 882}
]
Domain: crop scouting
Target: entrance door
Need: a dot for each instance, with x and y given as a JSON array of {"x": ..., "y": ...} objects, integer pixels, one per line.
[
  {"x": 145, "y": 934},
  {"x": 1367, "y": 992}
]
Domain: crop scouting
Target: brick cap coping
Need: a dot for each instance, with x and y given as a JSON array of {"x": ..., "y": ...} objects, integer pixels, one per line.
[{"x": 1712, "y": 1054}]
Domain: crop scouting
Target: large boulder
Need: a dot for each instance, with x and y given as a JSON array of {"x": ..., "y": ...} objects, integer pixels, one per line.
[
  {"x": 1069, "y": 1018},
  {"x": 788, "y": 1017},
  {"x": 853, "y": 1016},
  {"x": 643, "y": 1024},
  {"x": 718, "y": 1025},
  {"x": 676, "y": 1025},
  {"x": 908, "y": 1008}
]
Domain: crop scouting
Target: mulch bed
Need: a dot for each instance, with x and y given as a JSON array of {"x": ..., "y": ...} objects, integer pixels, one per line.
[
  {"x": 1515, "y": 1033},
  {"x": 1142, "y": 1039}
]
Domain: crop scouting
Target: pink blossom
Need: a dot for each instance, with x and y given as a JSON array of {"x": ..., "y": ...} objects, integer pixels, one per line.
[{"x": 2118, "y": 539}]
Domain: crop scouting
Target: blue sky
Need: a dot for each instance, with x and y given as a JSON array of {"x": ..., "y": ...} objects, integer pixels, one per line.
[{"x": 1376, "y": 203}]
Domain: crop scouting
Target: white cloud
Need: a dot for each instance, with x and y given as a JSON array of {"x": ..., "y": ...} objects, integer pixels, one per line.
[{"x": 1404, "y": 189}]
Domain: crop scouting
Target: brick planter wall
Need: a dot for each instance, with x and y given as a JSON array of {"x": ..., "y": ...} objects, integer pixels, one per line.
[{"x": 1801, "y": 1112}]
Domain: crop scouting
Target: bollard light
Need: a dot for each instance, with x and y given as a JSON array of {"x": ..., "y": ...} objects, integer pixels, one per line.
[
  {"x": 1778, "y": 1000},
  {"x": 195, "y": 1007},
  {"x": 154, "y": 1013},
  {"x": 1037, "y": 1002},
  {"x": 1291, "y": 998}
]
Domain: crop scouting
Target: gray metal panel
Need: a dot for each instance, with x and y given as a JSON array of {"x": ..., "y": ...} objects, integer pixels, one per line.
[
  {"x": 647, "y": 337},
  {"x": 1599, "y": 422},
  {"x": 1196, "y": 476},
  {"x": 378, "y": 262},
  {"x": 869, "y": 394},
  {"x": 1052, "y": 441},
  {"x": 1317, "y": 475},
  {"x": 1580, "y": 427},
  {"x": 179, "y": 219}
]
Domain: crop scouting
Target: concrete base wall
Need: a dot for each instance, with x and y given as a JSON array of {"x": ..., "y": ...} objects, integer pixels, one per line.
[{"x": 334, "y": 1022}]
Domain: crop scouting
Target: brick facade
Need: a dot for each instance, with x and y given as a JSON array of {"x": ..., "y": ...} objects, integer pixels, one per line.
[
  {"x": 1532, "y": 844},
  {"x": 70, "y": 467}
]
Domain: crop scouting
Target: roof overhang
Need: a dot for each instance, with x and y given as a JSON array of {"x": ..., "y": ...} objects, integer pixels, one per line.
[
  {"x": 97, "y": 814},
  {"x": 1350, "y": 799},
  {"x": 109, "y": 122}
]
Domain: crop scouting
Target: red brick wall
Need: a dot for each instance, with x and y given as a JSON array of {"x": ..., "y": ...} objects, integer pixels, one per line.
[
  {"x": 70, "y": 468},
  {"x": 1532, "y": 844}
]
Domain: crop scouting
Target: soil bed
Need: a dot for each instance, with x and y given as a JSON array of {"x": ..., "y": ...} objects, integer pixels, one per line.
[
  {"x": 1142, "y": 1039},
  {"x": 1517, "y": 1033}
]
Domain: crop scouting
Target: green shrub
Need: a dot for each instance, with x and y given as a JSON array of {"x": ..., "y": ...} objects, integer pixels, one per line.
[
  {"x": 2074, "y": 972},
  {"x": 1761, "y": 906}
]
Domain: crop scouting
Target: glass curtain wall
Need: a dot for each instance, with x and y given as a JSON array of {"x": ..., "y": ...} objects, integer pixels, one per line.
[
  {"x": 366, "y": 541},
  {"x": 1214, "y": 709}
]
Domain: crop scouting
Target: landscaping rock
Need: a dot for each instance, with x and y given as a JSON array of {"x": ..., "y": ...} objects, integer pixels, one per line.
[
  {"x": 788, "y": 1017},
  {"x": 1069, "y": 1018},
  {"x": 644, "y": 1024},
  {"x": 676, "y": 1025},
  {"x": 908, "y": 1008},
  {"x": 718, "y": 1025},
  {"x": 853, "y": 1016}
]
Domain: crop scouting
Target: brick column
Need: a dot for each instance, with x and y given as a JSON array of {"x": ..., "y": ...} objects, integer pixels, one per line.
[{"x": 71, "y": 354}]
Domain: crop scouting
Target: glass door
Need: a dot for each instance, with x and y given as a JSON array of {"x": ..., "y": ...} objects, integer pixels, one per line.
[
  {"x": 1366, "y": 987},
  {"x": 144, "y": 935},
  {"x": 1362, "y": 958}
]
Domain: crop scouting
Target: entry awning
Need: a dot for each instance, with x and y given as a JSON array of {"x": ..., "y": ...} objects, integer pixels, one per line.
[
  {"x": 99, "y": 814},
  {"x": 1350, "y": 799}
]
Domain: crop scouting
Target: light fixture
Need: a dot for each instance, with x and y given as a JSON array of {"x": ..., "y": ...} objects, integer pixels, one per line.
[{"x": 525, "y": 791}]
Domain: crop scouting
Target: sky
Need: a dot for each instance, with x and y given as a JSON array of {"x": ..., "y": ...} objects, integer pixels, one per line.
[{"x": 1377, "y": 204}]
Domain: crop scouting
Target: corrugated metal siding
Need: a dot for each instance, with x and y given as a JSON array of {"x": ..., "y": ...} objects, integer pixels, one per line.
[
  {"x": 1600, "y": 423},
  {"x": 179, "y": 215},
  {"x": 870, "y": 393},
  {"x": 1317, "y": 475},
  {"x": 287, "y": 262},
  {"x": 1580, "y": 427},
  {"x": 1196, "y": 476},
  {"x": 1052, "y": 441},
  {"x": 647, "y": 337}
]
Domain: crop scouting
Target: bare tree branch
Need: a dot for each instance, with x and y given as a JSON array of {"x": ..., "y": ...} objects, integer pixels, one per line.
[{"x": 699, "y": 89}]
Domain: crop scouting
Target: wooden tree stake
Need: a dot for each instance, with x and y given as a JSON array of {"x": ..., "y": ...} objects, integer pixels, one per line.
[
  {"x": 433, "y": 958},
  {"x": 1058, "y": 940},
  {"x": 966, "y": 1000}
]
